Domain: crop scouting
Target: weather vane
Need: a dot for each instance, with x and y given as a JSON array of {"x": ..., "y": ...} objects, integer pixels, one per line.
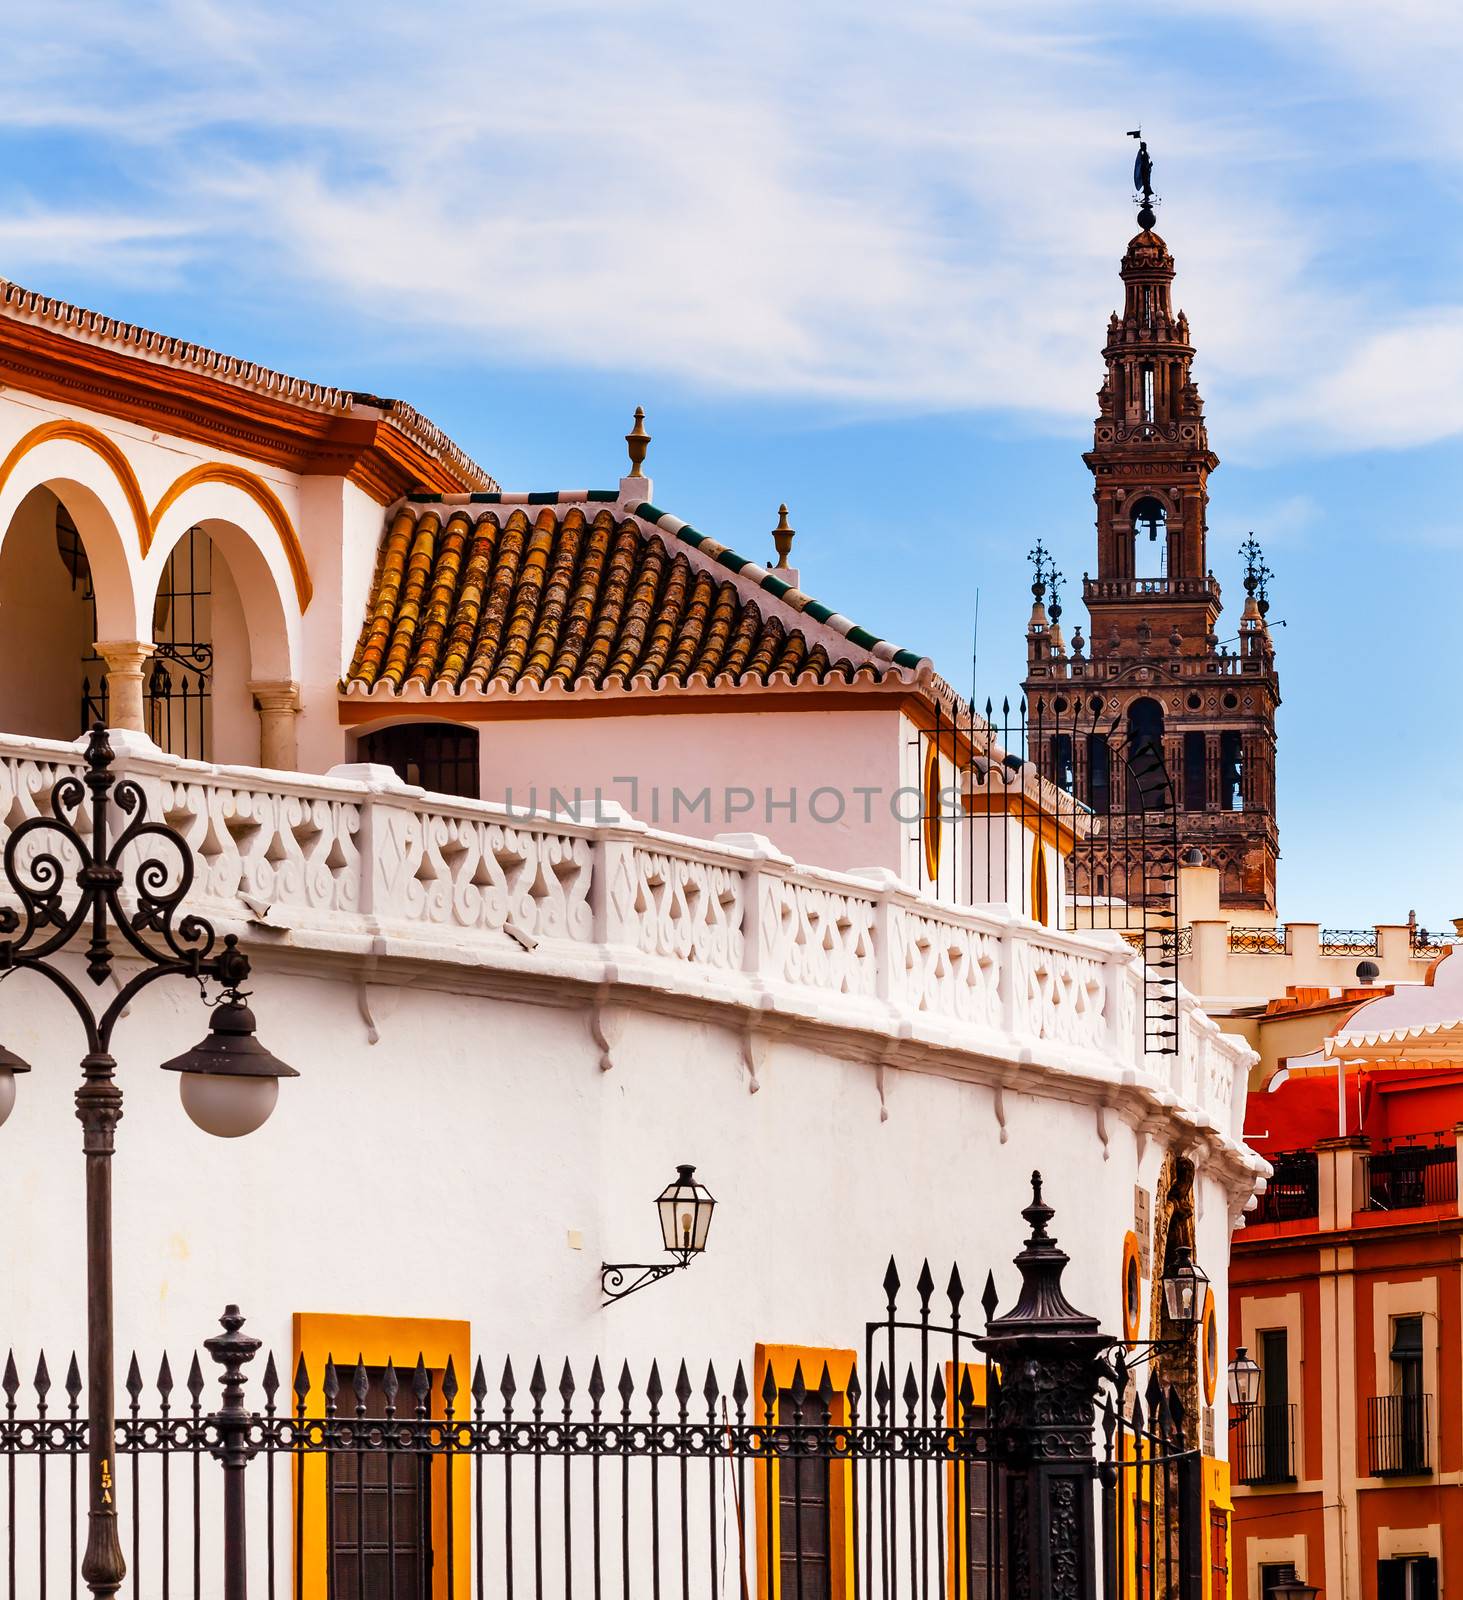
[
  {"x": 1257, "y": 574},
  {"x": 1045, "y": 576},
  {"x": 1143, "y": 180}
]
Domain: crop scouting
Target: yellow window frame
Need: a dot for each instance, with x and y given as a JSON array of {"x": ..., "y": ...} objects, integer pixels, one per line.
[
  {"x": 958, "y": 1482},
  {"x": 783, "y": 1360},
  {"x": 322, "y": 1336}
]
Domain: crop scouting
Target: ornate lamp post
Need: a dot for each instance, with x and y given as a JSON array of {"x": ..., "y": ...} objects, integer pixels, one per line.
[
  {"x": 229, "y": 1082},
  {"x": 1050, "y": 1358}
]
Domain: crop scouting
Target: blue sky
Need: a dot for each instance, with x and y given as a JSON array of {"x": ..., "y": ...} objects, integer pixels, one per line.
[{"x": 855, "y": 257}]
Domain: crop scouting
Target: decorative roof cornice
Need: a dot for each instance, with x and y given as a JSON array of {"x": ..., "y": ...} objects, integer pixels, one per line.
[{"x": 70, "y": 353}]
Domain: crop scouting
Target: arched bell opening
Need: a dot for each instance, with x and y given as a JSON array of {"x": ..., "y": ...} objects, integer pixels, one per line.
[{"x": 1150, "y": 538}]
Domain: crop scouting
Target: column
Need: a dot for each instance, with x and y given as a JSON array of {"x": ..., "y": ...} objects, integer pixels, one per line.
[
  {"x": 278, "y": 704},
  {"x": 125, "y": 659}
]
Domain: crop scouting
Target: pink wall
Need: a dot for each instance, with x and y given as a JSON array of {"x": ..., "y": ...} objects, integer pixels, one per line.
[{"x": 816, "y": 758}]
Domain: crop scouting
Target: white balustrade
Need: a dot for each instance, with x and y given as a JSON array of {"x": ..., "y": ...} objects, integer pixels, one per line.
[{"x": 347, "y": 858}]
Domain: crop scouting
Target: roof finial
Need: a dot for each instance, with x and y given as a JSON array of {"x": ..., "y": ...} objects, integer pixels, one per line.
[
  {"x": 639, "y": 442},
  {"x": 1143, "y": 181},
  {"x": 1257, "y": 577},
  {"x": 782, "y": 537}
]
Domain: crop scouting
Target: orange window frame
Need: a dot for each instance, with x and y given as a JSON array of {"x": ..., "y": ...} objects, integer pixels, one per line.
[
  {"x": 957, "y": 1483},
  {"x": 930, "y": 786},
  {"x": 323, "y": 1336},
  {"x": 783, "y": 1360}
]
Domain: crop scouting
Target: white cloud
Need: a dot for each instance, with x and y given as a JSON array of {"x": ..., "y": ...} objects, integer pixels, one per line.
[{"x": 921, "y": 209}]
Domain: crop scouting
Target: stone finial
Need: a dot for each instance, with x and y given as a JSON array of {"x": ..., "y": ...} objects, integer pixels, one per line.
[
  {"x": 782, "y": 537},
  {"x": 638, "y": 441}
]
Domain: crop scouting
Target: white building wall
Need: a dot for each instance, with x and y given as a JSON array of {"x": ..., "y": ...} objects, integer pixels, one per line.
[{"x": 855, "y": 1073}]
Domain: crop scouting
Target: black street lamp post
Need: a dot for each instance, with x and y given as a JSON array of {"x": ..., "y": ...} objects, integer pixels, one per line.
[
  {"x": 1050, "y": 1359},
  {"x": 229, "y": 1082}
]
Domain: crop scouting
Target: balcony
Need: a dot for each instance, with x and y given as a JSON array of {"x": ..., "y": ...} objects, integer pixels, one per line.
[
  {"x": 1293, "y": 1193},
  {"x": 1100, "y": 589},
  {"x": 1410, "y": 1176},
  {"x": 1264, "y": 1445},
  {"x": 1398, "y": 1430}
]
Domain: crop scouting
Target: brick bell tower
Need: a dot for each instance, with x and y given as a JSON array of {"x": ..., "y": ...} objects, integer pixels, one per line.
[{"x": 1158, "y": 679}]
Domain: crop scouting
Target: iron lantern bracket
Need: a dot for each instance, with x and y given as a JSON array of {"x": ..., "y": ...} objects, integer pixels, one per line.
[{"x": 612, "y": 1276}]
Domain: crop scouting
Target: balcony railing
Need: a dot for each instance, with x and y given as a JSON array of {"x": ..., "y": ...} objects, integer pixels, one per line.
[
  {"x": 1293, "y": 1191},
  {"x": 1348, "y": 941},
  {"x": 1264, "y": 1444},
  {"x": 1397, "y": 1432},
  {"x": 332, "y": 861},
  {"x": 1258, "y": 941},
  {"x": 1411, "y": 1176}
]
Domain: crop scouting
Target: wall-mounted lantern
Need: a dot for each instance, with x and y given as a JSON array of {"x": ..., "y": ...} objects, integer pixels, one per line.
[
  {"x": 1292, "y": 1588},
  {"x": 1184, "y": 1285},
  {"x": 1244, "y": 1383},
  {"x": 685, "y": 1208}
]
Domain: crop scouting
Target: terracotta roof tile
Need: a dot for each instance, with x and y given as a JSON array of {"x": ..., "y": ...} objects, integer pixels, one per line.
[{"x": 583, "y": 596}]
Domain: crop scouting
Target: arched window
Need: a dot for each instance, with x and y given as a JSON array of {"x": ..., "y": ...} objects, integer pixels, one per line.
[
  {"x": 1099, "y": 773},
  {"x": 1231, "y": 771},
  {"x": 1150, "y": 538},
  {"x": 1196, "y": 771},
  {"x": 1041, "y": 900},
  {"x": 1147, "y": 779},
  {"x": 440, "y": 756}
]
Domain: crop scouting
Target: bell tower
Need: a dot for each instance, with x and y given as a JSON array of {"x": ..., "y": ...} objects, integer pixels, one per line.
[{"x": 1158, "y": 680}]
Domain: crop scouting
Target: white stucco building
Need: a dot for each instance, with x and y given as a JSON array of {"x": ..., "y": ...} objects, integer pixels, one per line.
[{"x": 511, "y": 1027}]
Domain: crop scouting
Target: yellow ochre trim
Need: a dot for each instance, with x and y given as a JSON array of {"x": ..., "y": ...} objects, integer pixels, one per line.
[
  {"x": 930, "y": 793},
  {"x": 1132, "y": 1303},
  {"x": 99, "y": 444},
  {"x": 957, "y": 1483},
  {"x": 146, "y": 524},
  {"x": 1209, "y": 1344},
  {"x": 321, "y": 1336},
  {"x": 263, "y": 496},
  {"x": 784, "y": 1360}
]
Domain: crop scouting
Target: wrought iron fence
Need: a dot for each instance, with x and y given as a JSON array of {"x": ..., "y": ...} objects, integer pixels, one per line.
[
  {"x": 910, "y": 1469},
  {"x": 1398, "y": 1430},
  {"x": 1409, "y": 1176},
  {"x": 1263, "y": 1444},
  {"x": 1348, "y": 941},
  {"x": 1293, "y": 1192},
  {"x": 1259, "y": 941},
  {"x": 1063, "y": 768}
]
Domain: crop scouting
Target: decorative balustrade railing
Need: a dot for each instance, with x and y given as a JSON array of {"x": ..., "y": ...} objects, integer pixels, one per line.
[
  {"x": 334, "y": 860},
  {"x": 1425, "y": 942},
  {"x": 1348, "y": 941},
  {"x": 1258, "y": 941}
]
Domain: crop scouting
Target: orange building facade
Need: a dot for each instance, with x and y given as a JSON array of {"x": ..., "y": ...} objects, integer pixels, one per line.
[{"x": 1346, "y": 1287}]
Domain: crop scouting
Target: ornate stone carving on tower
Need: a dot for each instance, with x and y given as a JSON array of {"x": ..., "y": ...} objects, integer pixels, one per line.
[{"x": 1158, "y": 677}]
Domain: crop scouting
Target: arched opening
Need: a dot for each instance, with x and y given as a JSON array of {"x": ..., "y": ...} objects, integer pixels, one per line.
[
  {"x": 1099, "y": 773},
  {"x": 218, "y": 627},
  {"x": 441, "y": 757},
  {"x": 1231, "y": 771},
  {"x": 1147, "y": 779},
  {"x": 1196, "y": 771},
  {"x": 1041, "y": 900},
  {"x": 54, "y": 681},
  {"x": 1150, "y": 538}
]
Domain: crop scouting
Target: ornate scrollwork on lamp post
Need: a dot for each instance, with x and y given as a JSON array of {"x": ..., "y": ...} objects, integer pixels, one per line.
[{"x": 229, "y": 1082}]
